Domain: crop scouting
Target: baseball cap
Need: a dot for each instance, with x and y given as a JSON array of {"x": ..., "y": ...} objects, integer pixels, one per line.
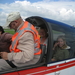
[{"x": 12, "y": 17}]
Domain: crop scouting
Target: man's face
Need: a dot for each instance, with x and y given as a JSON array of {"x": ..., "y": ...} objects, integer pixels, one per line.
[{"x": 13, "y": 25}]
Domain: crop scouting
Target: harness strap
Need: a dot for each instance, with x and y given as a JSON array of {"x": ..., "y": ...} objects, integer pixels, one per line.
[{"x": 11, "y": 64}]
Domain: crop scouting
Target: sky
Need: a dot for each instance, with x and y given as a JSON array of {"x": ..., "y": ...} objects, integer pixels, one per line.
[{"x": 59, "y": 10}]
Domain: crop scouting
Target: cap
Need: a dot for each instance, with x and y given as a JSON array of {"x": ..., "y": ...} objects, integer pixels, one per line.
[{"x": 12, "y": 17}]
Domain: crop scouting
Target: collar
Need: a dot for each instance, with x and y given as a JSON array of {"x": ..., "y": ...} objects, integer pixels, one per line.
[{"x": 68, "y": 47}]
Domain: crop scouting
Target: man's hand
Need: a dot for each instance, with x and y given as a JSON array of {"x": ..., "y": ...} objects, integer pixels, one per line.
[{"x": 4, "y": 55}]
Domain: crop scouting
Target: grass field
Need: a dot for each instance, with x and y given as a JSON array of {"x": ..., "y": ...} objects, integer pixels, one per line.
[{"x": 11, "y": 31}]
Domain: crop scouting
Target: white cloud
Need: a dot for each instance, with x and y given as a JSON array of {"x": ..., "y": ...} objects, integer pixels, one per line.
[{"x": 61, "y": 11}]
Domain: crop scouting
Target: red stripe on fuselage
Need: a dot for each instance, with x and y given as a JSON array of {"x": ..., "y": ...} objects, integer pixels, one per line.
[{"x": 50, "y": 69}]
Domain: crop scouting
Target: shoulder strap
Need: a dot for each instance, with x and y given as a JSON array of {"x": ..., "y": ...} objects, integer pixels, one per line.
[{"x": 11, "y": 64}]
